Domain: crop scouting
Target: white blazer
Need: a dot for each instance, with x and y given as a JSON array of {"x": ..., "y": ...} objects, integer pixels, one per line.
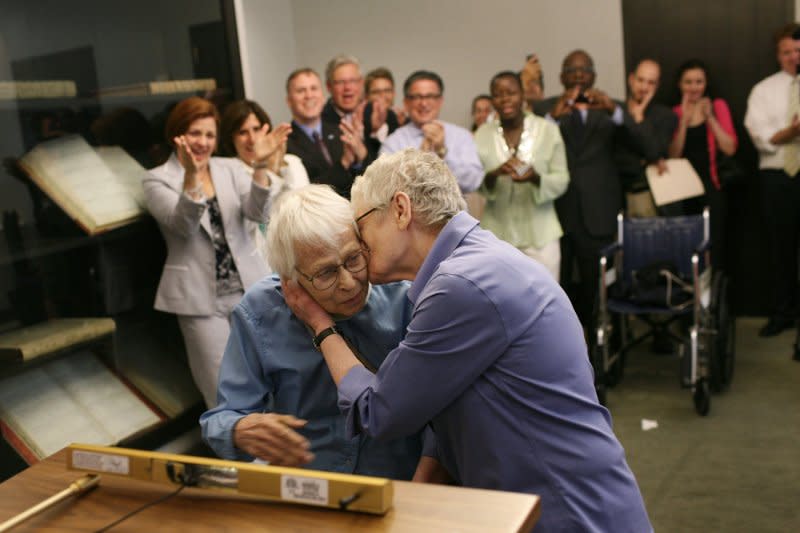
[{"x": 188, "y": 281}]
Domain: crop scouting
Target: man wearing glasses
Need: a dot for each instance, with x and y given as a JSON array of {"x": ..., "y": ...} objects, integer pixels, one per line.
[
  {"x": 347, "y": 104},
  {"x": 590, "y": 123},
  {"x": 423, "y": 92},
  {"x": 276, "y": 398}
]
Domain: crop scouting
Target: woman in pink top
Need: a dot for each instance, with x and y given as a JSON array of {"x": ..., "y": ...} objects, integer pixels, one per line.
[{"x": 704, "y": 130}]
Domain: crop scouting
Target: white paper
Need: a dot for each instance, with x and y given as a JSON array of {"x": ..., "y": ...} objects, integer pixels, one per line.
[{"x": 679, "y": 182}]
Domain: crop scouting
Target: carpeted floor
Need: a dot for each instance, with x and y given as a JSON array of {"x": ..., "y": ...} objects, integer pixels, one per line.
[{"x": 736, "y": 470}]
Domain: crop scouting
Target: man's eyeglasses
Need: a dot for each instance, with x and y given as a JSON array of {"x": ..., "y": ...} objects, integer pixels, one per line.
[
  {"x": 370, "y": 211},
  {"x": 423, "y": 97},
  {"x": 574, "y": 70},
  {"x": 350, "y": 81},
  {"x": 328, "y": 276}
]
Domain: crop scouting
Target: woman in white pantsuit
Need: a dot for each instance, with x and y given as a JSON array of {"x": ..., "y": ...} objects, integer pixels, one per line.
[{"x": 200, "y": 203}]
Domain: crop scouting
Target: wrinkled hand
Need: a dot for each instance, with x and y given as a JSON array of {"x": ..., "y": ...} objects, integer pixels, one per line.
[
  {"x": 433, "y": 136},
  {"x": 600, "y": 100},
  {"x": 189, "y": 162},
  {"x": 272, "y": 437},
  {"x": 304, "y": 306}
]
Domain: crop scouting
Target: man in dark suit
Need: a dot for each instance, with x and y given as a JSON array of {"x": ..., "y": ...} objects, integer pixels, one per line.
[
  {"x": 346, "y": 86},
  {"x": 653, "y": 125},
  {"x": 333, "y": 153},
  {"x": 590, "y": 123}
]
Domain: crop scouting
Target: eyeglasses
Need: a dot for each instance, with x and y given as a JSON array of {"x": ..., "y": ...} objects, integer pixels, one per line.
[
  {"x": 423, "y": 97},
  {"x": 349, "y": 81},
  {"x": 365, "y": 214},
  {"x": 328, "y": 276},
  {"x": 574, "y": 70}
]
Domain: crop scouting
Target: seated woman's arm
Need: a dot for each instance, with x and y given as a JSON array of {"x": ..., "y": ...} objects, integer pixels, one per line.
[{"x": 237, "y": 428}]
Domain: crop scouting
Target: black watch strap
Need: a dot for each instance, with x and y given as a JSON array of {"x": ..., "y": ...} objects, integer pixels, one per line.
[{"x": 324, "y": 334}]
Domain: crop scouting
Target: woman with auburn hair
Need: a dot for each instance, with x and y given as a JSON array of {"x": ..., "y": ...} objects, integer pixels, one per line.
[
  {"x": 200, "y": 203},
  {"x": 242, "y": 129}
]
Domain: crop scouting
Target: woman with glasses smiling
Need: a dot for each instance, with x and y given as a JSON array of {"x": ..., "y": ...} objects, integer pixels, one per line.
[{"x": 277, "y": 399}]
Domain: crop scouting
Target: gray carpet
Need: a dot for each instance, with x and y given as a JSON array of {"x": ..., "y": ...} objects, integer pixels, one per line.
[{"x": 736, "y": 470}]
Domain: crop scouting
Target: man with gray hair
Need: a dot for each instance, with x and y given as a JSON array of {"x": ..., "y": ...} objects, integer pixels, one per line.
[
  {"x": 276, "y": 399},
  {"x": 345, "y": 84},
  {"x": 494, "y": 357}
]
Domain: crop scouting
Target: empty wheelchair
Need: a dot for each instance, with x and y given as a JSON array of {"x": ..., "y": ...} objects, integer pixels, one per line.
[{"x": 659, "y": 271}]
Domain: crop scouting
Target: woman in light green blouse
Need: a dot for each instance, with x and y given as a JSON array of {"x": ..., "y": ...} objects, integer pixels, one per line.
[{"x": 526, "y": 170}]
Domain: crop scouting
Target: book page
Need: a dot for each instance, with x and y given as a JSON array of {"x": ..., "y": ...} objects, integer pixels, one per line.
[
  {"x": 71, "y": 399},
  {"x": 679, "y": 182},
  {"x": 78, "y": 179}
]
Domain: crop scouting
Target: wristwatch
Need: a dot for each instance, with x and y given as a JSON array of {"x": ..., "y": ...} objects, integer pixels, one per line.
[{"x": 324, "y": 334}]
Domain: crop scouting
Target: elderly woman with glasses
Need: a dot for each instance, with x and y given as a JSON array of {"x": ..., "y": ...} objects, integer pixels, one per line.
[
  {"x": 494, "y": 357},
  {"x": 277, "y": 400}
]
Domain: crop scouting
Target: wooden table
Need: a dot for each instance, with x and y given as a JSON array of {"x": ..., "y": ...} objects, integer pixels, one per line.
[{"x": 417, "y": 508}]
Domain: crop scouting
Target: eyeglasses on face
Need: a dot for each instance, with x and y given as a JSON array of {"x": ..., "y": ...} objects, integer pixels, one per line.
[
  {"x": 348, "y": 81},
  {"x": 328, "y": 276},
  {"x": 423, "y": 97},
  {"x": 574, "y": 70}
]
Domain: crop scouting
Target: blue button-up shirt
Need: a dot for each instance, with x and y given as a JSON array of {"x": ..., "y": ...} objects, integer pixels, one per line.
[
  {"x": 495, "y": 358},
  {"x": 461, "y": 157},
  {"x": 270, "y": 365}
]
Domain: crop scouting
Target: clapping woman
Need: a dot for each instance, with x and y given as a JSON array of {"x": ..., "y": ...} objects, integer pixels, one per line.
[
  {"x": 526, "y": 170},
  {"x": 705, "y": 130},
  {"x": 247, "y": 129},
  {"x": 200, "y": 203}
]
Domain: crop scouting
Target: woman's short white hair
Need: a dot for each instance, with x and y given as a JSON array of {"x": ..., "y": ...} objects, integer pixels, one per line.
[
  {"x": 423, "y": 176},
  {"x": 313, "y": 216}
]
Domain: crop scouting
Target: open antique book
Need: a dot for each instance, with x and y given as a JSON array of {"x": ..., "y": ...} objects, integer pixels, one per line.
[
  {"x": 99, "y": 188},
  {"x": 74, "y": 398}
]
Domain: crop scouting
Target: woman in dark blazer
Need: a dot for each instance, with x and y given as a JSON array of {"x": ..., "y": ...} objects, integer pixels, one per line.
[{"x": 200, "y": 203}]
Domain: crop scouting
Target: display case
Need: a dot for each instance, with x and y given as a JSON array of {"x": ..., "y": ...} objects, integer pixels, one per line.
[{"x": 102, "y": 76}]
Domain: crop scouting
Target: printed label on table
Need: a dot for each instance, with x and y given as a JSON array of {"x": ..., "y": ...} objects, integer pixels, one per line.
[
  {"x": 101, "y": 462},
  {"x": 304, "y": 489}
]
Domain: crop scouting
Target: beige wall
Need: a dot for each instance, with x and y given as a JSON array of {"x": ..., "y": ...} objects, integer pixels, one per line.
[{"x": 465, "y": 41}]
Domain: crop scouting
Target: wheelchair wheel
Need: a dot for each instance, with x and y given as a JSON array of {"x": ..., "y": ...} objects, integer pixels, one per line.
[
  {"x": 702, "y": 397},
  {"x": 723, "y": 345}
]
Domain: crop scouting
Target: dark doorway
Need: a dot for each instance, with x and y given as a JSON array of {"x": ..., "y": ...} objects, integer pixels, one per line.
[
  {"x": 210, "y": 53},
  {"x": 734, "y": 38}
]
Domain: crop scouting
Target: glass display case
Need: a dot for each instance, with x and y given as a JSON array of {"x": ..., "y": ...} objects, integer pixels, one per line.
[{"x": 101, "y": 76}]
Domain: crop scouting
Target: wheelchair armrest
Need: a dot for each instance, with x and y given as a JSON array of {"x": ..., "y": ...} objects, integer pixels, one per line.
[
  {"x": 611, "y": 249},
  {"x": 703, "y": 246}
]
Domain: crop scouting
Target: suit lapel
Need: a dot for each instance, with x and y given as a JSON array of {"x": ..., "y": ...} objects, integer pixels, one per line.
[{"x": 330, "y": 135}]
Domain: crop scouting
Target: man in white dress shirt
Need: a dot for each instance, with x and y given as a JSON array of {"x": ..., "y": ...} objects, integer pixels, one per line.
[
  {"x": 423, "y": 96},
  {"x": 773, "y": 121}
]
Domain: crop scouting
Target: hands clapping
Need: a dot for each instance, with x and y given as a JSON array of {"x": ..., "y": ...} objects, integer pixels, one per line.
[{"x": 352, "y": 138}]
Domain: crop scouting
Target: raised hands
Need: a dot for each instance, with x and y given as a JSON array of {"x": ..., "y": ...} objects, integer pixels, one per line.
[
  {"x": 433, "y": 138},
  {"x": 272, "y": 437},
  {"x": 599, "y": 100},
  {"x": 352, "y": 137},
  {"x": 269, "y": 144},
  {"x": 190, "y": 162}
]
